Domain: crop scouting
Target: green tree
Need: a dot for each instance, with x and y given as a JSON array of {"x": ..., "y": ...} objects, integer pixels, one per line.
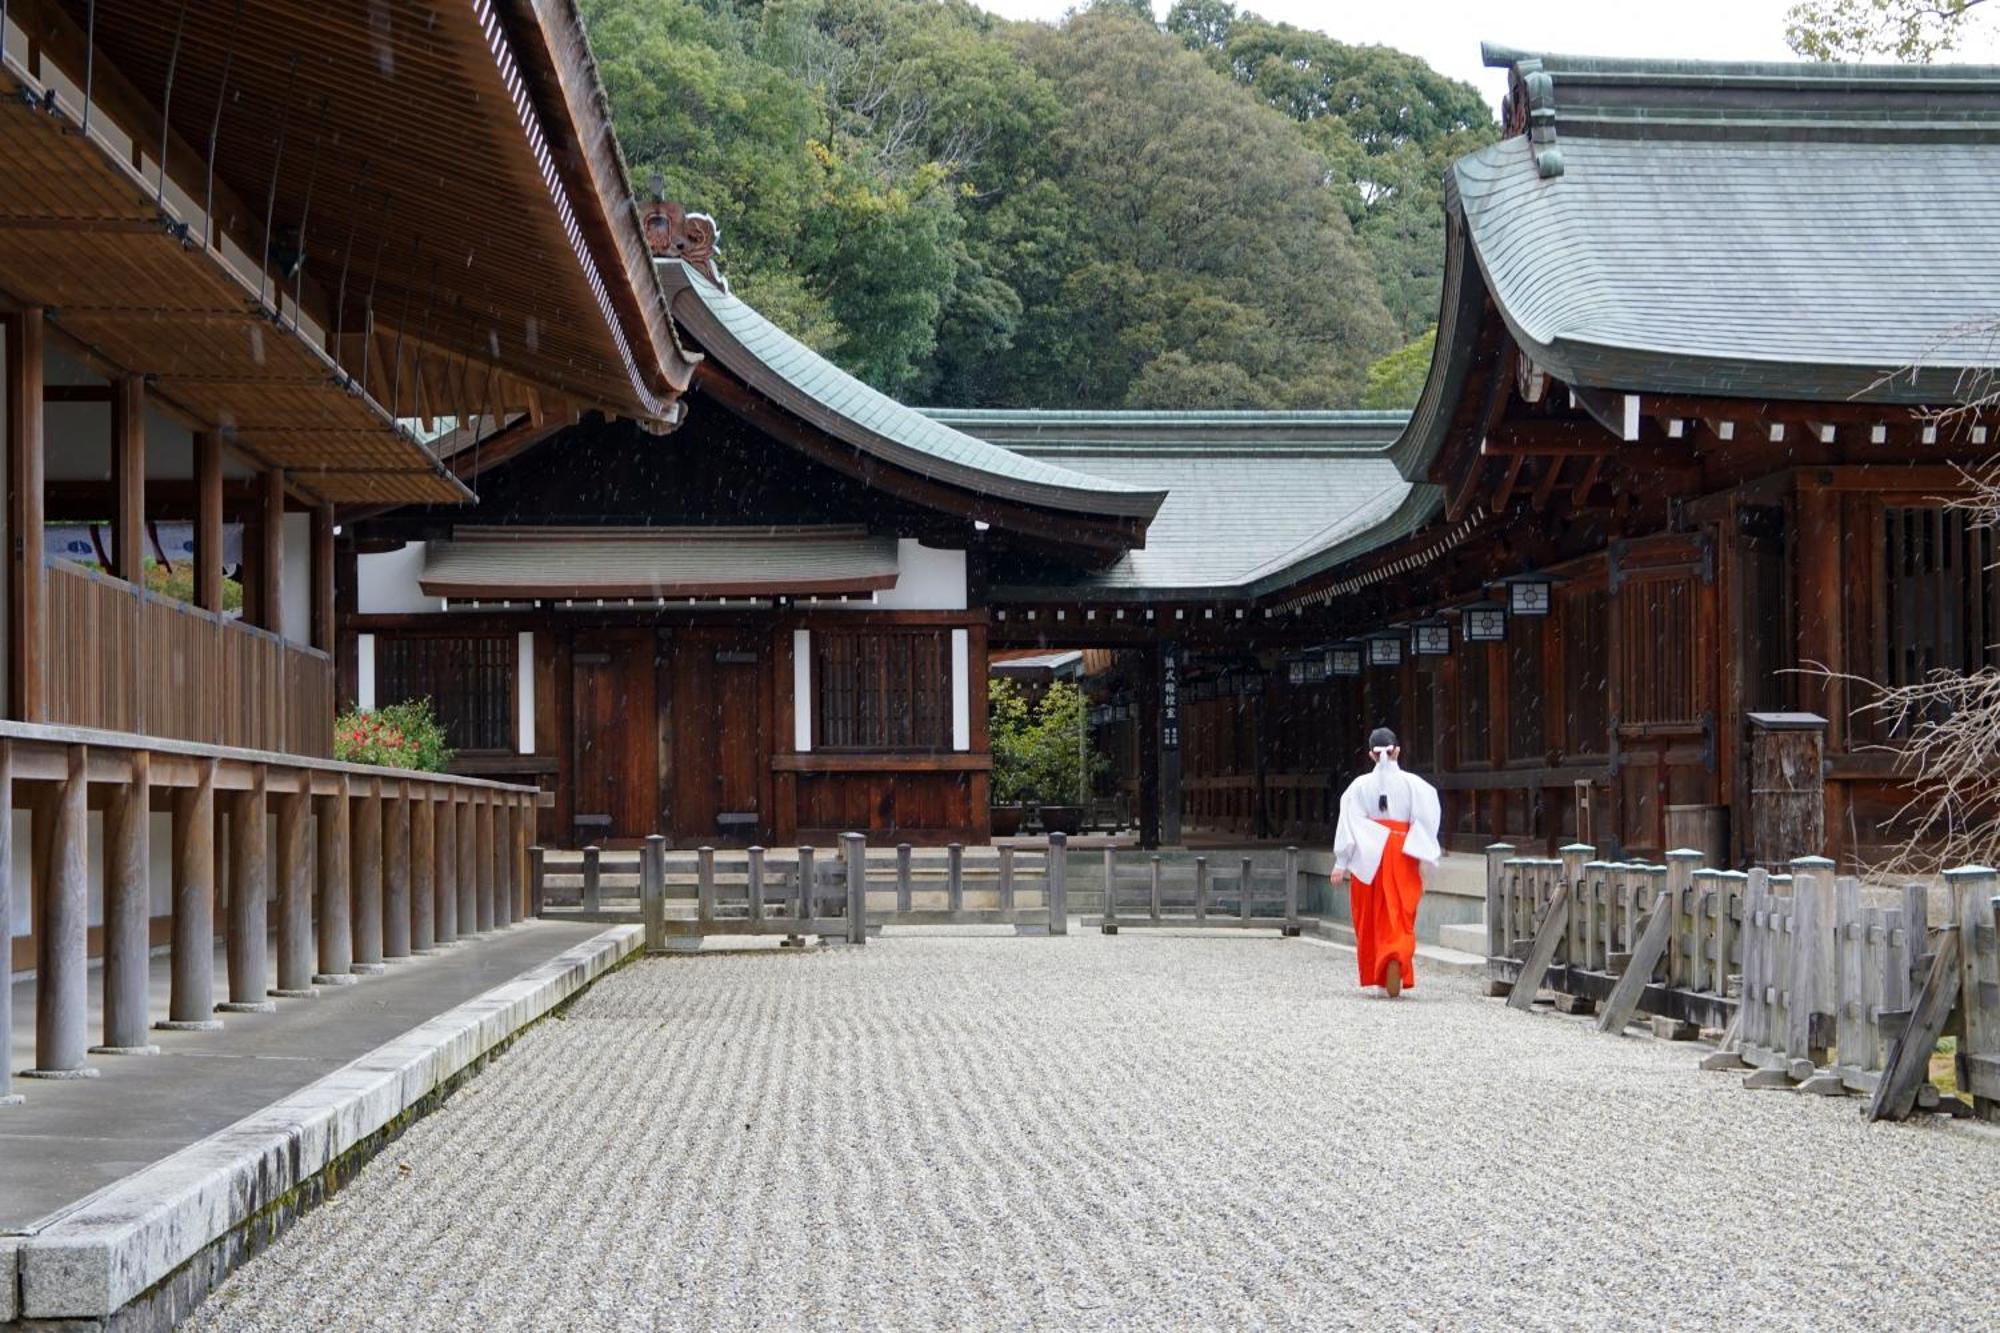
[
  {"x": 1386, "y": 123},
  {"x": 1909, "y": 30},
  {"x": 1398, "y": 378}
]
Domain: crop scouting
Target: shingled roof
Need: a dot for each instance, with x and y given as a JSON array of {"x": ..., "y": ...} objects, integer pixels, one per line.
[
  {"x": 1253, "y": 499},
  {"x": 1762, "y": 230}
]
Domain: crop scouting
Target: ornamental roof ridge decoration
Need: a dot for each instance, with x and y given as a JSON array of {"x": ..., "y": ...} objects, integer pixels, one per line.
[{"x": 693, "y": 238}]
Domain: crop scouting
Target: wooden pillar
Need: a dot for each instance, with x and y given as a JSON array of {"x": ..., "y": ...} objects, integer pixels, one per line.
[
  {"x": 503, "y": 861},
  {"x": 1149, "y": 748},
  {"x": 446, "y": 876},
  {"x": 7, "y": 1096},
  {"x": 128, "y": 912},
  {"x": 396, "y": 874},
  {"x": 295, "y": 941},
  {"x": 483, "y": 805},
  {"x": 249, "y": 885},
  {"x": 270, "y": 570},
  {"x": 467, "y": 818},
  {"x": 62, "y": 926},
  {"x": 208, "y": 521},
  {"x": 27, "y": 669},
  {"x": 523, "y": 877},
  {"x": 366, "y": 867},
  {"x": 336, "y": 889},
  {"x": 423, "y": 871},
  {"x": 321, "y": 575},
  {"x": 128, "y": 479},
  {"x": 191, "y": 1001},
  {"x": 1822, "y": 637}
]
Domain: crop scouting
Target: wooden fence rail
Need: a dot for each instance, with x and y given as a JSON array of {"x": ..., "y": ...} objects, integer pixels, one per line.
[
  {"x": 1815, "y": 987},
  {"x": 1200, "y": 898},
  {"x": 346, "y": 890}
]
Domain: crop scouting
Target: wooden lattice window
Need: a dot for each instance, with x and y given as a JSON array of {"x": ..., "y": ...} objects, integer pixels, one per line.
[
  {"x": 1475, "y": 709},
  {"x": 469, "y": 679},
  {"x": 1658, "y": 627},
  {"x": 1586, "y": 680},
  {"x": 1943, "y": 597},
  {"x": 882, "y": 689},
  {"x": 1527, "y": 734}
]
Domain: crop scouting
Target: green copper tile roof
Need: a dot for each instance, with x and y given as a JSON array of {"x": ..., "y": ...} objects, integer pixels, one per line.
[
  {"x": 807, "y": 384},
  {"x": 1249, "y": 495}
]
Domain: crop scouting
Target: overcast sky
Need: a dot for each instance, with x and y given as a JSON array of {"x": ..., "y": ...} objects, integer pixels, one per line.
[{"x": 1447, "y": 33}]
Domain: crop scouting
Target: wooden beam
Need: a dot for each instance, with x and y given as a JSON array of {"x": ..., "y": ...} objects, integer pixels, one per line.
[
  {"x": 1550, "y": 480},
  {"x": 270, "y": 572},
  {"x": 321, "y": 573},
  {"x": 208, "y": 521},
  {"x": 80, "y": 393},
  {"x": 128, "y": 479},
  {"x": 27, "y": 668}
]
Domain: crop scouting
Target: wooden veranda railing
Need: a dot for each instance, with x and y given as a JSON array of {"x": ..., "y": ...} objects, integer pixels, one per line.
[
  {"x": 122, "y": 658},
  {"x": 370, "y": 864}
]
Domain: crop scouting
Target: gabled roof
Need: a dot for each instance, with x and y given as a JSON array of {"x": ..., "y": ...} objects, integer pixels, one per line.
[
  {"x": 1759, "y": 230},
  {"x": 1250, "y": 496},
  {"x": 787, "y": 372}
]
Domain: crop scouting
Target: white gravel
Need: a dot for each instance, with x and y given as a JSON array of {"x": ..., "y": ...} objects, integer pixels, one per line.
[{"x": 1146, "y": 1132}]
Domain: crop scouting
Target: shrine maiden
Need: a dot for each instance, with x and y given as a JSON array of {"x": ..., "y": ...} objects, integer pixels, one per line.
[{"x": 1388, "y": 825}]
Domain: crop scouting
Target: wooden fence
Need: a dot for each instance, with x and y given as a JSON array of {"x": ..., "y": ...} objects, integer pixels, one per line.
[
  {"x": 1202, "y": 899},
  {"x": 1814, "y": 986},
  {"x": 122, "y": 658},
  {"x": 840, "y": 893}
]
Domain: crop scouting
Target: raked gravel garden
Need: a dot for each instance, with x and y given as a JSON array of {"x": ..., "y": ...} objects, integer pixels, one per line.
[{"x": 1153, "y": 1131}]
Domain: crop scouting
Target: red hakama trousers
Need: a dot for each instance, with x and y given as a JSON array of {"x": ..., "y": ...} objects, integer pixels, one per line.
[{"x": 1385, "y": 911}]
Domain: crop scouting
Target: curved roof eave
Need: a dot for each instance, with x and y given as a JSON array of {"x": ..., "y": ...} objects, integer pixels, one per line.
[{"x": 810, "y": 387}]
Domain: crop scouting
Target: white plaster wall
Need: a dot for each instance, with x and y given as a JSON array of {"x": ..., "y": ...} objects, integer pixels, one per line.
[
  {"x": 386, "y": 582},
  {"x": 524, "y": 685},
  {"x": 928, "y": 579},
  {"x": 159, "y": 871},
  {"x": 961, "y": 689},
  {"x": 802, "y": 684},
  {"x": 295, "y": 614}
]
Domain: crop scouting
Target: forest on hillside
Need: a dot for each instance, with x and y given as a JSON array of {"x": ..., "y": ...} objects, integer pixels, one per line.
[{"x": 1212, "y": 212}]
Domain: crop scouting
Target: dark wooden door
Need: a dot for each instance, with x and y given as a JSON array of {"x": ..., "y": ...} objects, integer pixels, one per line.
[
  {"x": 718, "y": 737},
  {"x": 615, "y": 741}
]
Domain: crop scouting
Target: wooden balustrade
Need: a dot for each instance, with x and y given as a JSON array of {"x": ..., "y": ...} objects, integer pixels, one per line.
[
  {"x": 125, "y": 659},
  {"x": 342, "y": 832}
]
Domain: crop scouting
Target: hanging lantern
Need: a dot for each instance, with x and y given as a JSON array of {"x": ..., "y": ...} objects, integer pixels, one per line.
[
  {"x": 1385, "y": 650},
  {"x": 1316, "y": 669},
  {"x": 1295, "y": 671},
  {"x": 1430, "y": 638},
  {"x": 1529, "y": 594},
  {"x": 1344, "y": 659},
  {"x": 1485, "y": 622}
]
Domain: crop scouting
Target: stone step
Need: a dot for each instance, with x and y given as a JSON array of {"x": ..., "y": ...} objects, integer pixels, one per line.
[{"x": 1466, "y": 937}]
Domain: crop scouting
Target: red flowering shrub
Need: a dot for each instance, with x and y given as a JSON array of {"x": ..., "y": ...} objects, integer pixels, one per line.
[{"x": 405, "y": 735}]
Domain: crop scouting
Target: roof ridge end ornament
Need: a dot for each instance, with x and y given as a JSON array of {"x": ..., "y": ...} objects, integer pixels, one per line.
[
  {"x": 1530, "y": 107},
  {"x": 693, "y": 238}
]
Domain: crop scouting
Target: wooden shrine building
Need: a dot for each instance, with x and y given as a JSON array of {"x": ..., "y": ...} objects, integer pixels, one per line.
[
  {"x": 248, "y": 288},
  {"x": 766, "y": 626},
  {"x": 1680, "y": 479},
  {"x": 1689, "y": 432}
]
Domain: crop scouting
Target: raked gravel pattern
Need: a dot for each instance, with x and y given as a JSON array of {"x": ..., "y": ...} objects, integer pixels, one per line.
[{"x": 1146, "y": 1132}]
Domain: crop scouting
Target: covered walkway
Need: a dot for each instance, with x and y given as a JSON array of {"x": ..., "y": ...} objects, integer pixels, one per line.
[{"x": 1134, "y": 1133}]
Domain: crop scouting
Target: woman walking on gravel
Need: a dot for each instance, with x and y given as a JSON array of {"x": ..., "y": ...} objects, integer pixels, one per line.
[{"x": 1388, "y": 824}]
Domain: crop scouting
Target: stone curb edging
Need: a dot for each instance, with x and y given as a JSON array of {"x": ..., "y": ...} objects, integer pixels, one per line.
[
  {"x": 1449, "y": 961},
  {"x": 122, "y": 1242}
]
